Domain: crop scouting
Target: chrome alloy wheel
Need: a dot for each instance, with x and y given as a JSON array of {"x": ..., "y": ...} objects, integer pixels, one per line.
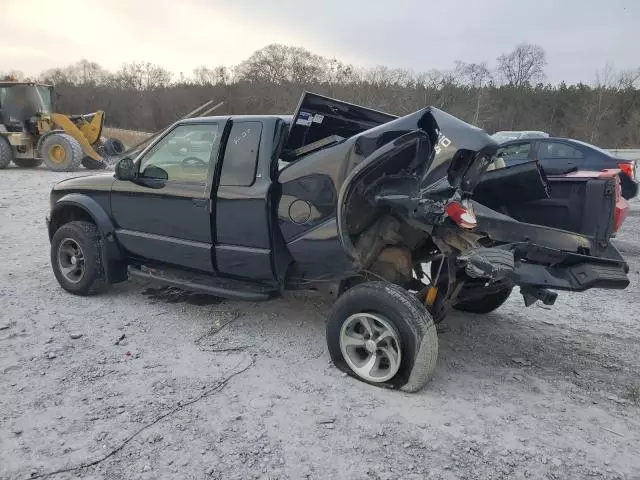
[
  {"x": 371, "y": 347},
  {"x": 71, "y": 260}
]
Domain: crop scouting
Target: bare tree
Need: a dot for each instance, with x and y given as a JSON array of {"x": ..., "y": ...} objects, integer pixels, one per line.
[
  {"x": 629, "y": 79},
  {"x": 143, "y": 96},
  {"x": 304, "y": 66},
  {"x": 83, "y": 72},
  {"x": 143, "y": 76},
  {"x": 524, "y": 66},
  {"x": 277, "y": 63},
  {"x": 54, "y": 75},
  {"x": 336, "y": 72},
  {"x": 268, "y": 65},
  {"x": 476, "y": 76},
  {"x": 599, "y": 107},
  {"x": 219, "y": 75}
]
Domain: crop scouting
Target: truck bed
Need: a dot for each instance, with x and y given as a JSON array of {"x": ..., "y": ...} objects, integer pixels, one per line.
[{"x": 587, "y": 203}]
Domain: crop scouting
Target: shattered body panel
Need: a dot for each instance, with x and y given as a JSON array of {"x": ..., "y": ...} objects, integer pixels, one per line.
[
  {"x": 388, "y": 185},
  {"x": 332, "y": 185}
]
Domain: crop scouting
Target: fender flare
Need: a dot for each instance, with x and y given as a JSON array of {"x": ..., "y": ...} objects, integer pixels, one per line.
[
  {"x": 112, "y": 257},
  {"x": 89, "y": 205}
]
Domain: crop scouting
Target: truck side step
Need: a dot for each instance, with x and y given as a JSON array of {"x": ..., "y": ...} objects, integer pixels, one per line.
[{"x": 233, "y": 289}]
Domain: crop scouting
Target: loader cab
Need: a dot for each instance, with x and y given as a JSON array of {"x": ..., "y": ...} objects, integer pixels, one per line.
[{"x": 21, "y": 101}]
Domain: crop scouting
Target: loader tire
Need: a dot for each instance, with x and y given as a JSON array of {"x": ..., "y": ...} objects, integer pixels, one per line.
[
  {"x": 6, "y": 153},
  {"x": 91, "y": 164},
  {"x": 61, "y": 152},
  {"x": 27, "y": 162},
  {"x": 113, "y": 146}
]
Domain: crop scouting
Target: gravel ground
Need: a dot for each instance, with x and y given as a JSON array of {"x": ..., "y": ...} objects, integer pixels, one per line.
[{"x": 133, "y": 381}]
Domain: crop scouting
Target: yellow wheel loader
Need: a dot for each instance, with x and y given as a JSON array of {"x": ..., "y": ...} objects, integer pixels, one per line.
[{"x": 30, "y": 133}]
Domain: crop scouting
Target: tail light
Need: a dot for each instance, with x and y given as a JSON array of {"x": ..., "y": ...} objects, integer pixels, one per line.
[
  {"x": 627, "y": 167},
  {"x": 622, "y": 207},
  {"x": 462, "y": 215}
]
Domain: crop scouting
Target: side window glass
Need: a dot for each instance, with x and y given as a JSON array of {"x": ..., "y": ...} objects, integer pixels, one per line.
[
  {"x": 519, "y": 151},
  {"x": 241, "y": 154},
  {"x": 510, "y": 154},
  {"x": 183, "y": 155},
  {"x": 555, "y": 150}
]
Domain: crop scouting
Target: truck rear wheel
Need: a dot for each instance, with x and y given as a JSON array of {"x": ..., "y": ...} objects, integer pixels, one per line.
[
  {"x": 6, "y": 152},
  {"x": 61, "y": 152},
  {"x": 381, "y": 334},
  {"x": 27, "y": 162},
  {"x": 485, "y": 304},
  {"x": 76, "y": 258}
]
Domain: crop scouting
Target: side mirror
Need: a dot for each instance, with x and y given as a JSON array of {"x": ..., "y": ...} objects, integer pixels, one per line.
[{"x": 126, "y": 169}]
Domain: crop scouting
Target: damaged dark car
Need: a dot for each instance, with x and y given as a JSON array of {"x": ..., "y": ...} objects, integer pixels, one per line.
[{"x": 400, "y": 218}]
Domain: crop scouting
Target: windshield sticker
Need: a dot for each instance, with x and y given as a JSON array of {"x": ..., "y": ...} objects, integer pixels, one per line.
[{"x": 317, "y": 118}]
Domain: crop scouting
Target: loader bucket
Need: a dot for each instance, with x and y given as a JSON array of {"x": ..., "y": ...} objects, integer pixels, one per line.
[{"x": 85, "y": 135}]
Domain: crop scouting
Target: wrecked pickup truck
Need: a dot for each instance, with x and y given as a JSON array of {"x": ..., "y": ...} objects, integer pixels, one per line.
[{"x": 401, "y": 219}]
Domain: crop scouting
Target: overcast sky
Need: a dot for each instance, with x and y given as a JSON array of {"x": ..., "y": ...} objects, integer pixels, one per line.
[{"x": 579, "y": 36}]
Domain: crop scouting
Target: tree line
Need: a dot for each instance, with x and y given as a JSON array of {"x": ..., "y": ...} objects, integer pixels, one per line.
[{"x": 511, "y": 95}]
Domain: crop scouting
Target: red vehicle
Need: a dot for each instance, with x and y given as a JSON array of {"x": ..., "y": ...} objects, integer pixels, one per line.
[{"x": 622, "y": 205}]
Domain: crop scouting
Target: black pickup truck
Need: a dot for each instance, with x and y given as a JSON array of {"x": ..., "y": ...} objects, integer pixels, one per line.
[{"x": 401, "y": 219}]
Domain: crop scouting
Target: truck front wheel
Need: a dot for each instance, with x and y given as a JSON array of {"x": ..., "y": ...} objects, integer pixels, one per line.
[
  {"x": 381, "y": 334},
  {"x": 76, "y": 258}
]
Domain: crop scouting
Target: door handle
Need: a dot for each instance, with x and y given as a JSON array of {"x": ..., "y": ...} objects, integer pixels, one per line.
[{"x": 199, "y": 202}]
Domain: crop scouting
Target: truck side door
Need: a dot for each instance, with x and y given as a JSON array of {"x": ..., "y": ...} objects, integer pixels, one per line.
[
  {"x": 244, "y": 219},
  {"x": 165, "y": 214}
]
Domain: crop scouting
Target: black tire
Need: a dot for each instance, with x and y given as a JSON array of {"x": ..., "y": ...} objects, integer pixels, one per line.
[
  {"x": 70, "y": 152},
  {"x": 113, "y": 146},
  {"x": 413, "y": 324},
  {"x": 485, "y": 304},
  {"x": 628, "y": 186},
  {"x": 87, "y": 237},
  {"x": 6, "y": 152},
  {"x": 501, "y": 259},
  {"x": 27, "y": 162},
  {"x": 91, "y": 164}
]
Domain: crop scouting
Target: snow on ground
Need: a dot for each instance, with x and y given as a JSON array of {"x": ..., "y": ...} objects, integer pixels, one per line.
[{"x": 519, "y": 393}]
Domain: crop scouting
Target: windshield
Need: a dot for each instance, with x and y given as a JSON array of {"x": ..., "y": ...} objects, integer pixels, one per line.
[
  {"x": 44, "y": 98},
  {"x": 23, "y": 101}
]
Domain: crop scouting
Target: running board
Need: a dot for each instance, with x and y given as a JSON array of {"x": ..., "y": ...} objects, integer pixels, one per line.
[{"x": 215, "y": 290}]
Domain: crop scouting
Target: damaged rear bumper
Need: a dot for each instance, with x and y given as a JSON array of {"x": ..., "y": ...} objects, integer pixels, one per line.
[
  {"x": 541, "y": 267},
  {"x": 553, "y": 259}
]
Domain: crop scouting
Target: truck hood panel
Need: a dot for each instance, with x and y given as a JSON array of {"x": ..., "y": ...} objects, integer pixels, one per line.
[{"x": 99, "y": 182}]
